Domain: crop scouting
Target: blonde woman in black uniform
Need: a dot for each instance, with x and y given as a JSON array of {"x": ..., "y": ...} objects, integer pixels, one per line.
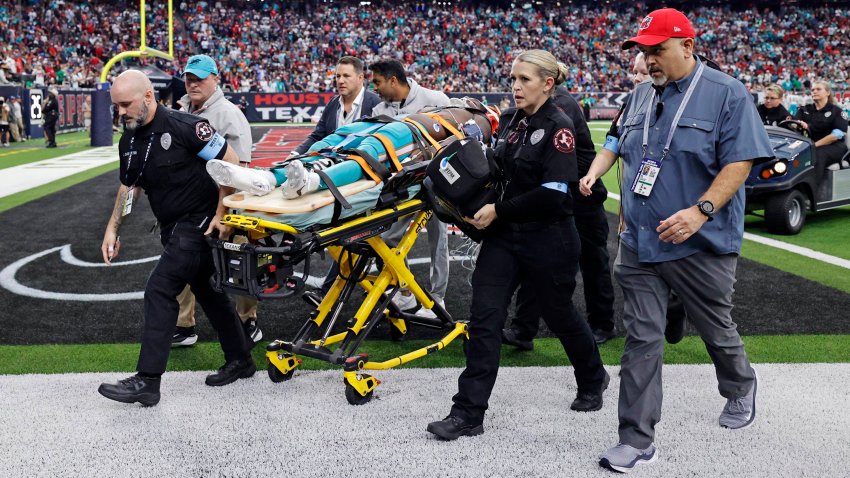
[
  {"x": 826, "y": 123},
  {"x": 530, "y": 236}
]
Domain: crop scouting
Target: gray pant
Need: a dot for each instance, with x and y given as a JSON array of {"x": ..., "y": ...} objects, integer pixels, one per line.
[
  {"x": 438, "y": 241},
  {"x": 704, "y": 282}
]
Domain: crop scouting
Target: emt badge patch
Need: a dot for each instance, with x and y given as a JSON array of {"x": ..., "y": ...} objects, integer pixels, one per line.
[
  {"x": 564, "y": 140},
  {"x": 165, "y": 141},
  {"x": 537, "y": 136},
  {"x": 203, "y": 131}
]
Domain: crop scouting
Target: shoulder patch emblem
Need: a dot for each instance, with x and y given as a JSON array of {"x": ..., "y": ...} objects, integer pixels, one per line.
[
  {"x": 165, "y": 141},
  {"x": 564, "y": 140},
  {"x": 537, "y": 136},
  {"x": 203, "y": 131},
  {"x": 844, "y": 115}
]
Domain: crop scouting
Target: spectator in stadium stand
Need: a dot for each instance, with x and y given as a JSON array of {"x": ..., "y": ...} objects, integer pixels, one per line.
[
  {"x": 402, "y": 95},
  {"x": 683, "y": 224},
  {"x": 772, "y": 112},
  {"x": 352, "y": 103},
  {"x": 171, "y": 148},
  {"x": 592, "y": 225},
  {"x": 204, "y": 98},
  {"x": 50, "y": 115},
  {"x": 826, "y": 123},
  {"x": 529, "y": 236}
]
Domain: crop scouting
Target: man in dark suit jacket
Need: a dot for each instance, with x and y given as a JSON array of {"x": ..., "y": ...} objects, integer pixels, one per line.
[{"x": 353, "y": 102}]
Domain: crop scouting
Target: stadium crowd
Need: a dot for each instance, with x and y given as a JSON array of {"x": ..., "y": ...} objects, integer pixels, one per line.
[{"x": 271, "y": 47}]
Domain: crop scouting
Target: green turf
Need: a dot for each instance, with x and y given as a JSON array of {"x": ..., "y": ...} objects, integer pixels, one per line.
[
  {"x": 22, "y": 197},
  {"x": 824, "y": 231},
  {"x": 34, "y": 150},
  {"x": 23, "y": 359}
]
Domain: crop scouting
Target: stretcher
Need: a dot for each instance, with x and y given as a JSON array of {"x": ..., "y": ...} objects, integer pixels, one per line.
[{"x": 265, "y": 268}]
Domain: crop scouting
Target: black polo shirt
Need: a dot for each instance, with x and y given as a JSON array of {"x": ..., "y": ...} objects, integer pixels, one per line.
[
  {"x": 167, "y": 158},
  {"x": 823, "y": 121},
  {"x": 533, "y": 152},
  {"x": 773, "y": 116},
  {"x": 585, "y": 149}
]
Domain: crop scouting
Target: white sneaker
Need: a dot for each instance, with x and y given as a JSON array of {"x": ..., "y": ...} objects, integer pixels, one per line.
[
  {"x": 258, "y": 182},
  {"x": 429, "y": 313},
  {"x": 404, "y": 302},
  {"x": 299, "y": 181}
]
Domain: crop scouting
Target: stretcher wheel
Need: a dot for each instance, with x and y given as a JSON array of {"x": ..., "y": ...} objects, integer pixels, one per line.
[
  {"x": 354, "y": 397},
  {"x": 277, "y": 376}
]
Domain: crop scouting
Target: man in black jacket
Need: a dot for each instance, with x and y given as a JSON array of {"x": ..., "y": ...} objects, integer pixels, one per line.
[
  {"x": 592, "y": 225},
  {"x": 50, "y": 112},
  {"x": 353, "y": 102}
]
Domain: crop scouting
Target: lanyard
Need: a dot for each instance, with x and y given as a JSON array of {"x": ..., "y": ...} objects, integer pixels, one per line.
[
  {"x": 678, "y": 115},
  {"x": 144, "y": 162}
]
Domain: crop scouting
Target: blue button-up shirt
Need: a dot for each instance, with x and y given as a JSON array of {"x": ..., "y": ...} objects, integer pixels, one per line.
[{"x": 719, "y": 126}]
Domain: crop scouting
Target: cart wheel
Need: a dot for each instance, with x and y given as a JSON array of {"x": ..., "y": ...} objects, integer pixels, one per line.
[
  {"x": 397, "y": 335},
  {"x": 785, "y": 213},
  {"x": 277, "y": 376},
  {"x": 354, "y": 397}
]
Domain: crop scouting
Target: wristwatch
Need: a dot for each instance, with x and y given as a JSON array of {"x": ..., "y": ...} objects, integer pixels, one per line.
[{"x": 707, "y": 208}]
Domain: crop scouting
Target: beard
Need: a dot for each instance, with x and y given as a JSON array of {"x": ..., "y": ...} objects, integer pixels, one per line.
[
  {"x": 133, "y": 123},
  {"x": 659, "y": 80}
]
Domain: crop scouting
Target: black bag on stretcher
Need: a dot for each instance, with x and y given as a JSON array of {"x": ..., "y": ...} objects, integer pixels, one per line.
[{"x": 461, "y": 179}]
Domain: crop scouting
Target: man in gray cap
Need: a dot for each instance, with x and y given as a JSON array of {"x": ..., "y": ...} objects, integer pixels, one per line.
[
  {"x": 688, "y": 140},
  {"x": 205, "y": 99}
]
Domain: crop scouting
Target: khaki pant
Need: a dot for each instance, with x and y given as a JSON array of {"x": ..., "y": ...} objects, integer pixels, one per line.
[
  {"x": 246, "y": 306},
  {"x": 13, "y": 128}
]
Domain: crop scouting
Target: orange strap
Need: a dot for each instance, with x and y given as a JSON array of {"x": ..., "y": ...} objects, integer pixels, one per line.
[
  {"x": 388, "y": 145},
  {"x": 366, "y": 168},
  {"x": 424, "y": 132},
  {"x": 446, "y": 125}
]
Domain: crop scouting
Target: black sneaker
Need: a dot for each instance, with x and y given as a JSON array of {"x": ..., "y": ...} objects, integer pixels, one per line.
[
  {"x": 144, "y": 390},
  {"x": 590, "y": 401},
  {"x": 232, "y": 371},
  {"x": 509, "y": 337},
  {"x": 184, "y": 337},
  {"x": 453, "y": 427},
  {"x": 601, "y": 336},
  {"x": 252, "y": 331}
]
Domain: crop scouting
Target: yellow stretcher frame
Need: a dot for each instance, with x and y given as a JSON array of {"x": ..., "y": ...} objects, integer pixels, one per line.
[{"x": 282, "y": 356}]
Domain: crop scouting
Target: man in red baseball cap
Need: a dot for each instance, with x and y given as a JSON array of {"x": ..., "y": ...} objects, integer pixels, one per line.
[
  {"x": 666, "y": 37},
  {"x": 687, "y": 142}
]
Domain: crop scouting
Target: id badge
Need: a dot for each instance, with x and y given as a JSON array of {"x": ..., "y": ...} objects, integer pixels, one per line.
[
  {"x": 646, "y": 177},
  {"x": 128, "y": 202}
]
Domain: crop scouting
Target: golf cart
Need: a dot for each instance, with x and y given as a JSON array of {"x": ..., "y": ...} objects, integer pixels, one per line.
[{"x": 787, "y": 188}]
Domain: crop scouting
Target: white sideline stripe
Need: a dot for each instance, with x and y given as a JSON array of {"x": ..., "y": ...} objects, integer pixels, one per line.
[
  {"x": 794, "y": 249},
  {"x": 32, "y": 175}
]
